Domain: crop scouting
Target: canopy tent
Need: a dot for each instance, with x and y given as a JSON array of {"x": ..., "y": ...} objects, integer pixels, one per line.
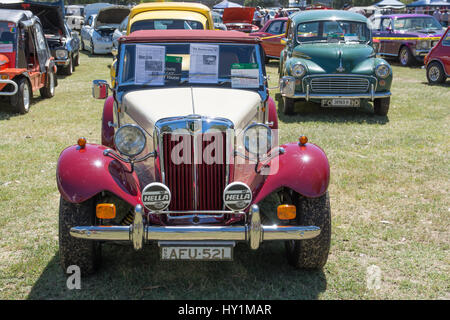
[
  {"x": 390, "y": 4},
  {"x": 226, "y": 4},
  {"x": 429, "y": 3}
]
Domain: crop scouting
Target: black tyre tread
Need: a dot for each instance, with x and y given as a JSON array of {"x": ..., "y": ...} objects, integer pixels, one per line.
[
  {"x": 45, "y": 91},
  {"x": 68, "y": 70},
  {"x": 76, "y": 62},
  {"x": 442, "y": 77},
  {"x": 85, "y": 254},
  {"x": 312, "y": 253},
  {"x": 381, "y": 106},
  {"x": 288, "y": 106}
]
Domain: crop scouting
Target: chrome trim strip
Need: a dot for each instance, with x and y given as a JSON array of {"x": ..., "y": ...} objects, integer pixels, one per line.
[{"x": 9, "y": 93}]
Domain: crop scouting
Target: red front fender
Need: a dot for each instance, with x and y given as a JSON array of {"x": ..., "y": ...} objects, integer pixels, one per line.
[
  {"x": 304, "y": 169},
  {"x": 83, "y": 173}
]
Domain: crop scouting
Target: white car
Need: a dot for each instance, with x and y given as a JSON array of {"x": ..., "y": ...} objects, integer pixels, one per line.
[{"x": 97, "y": 33}]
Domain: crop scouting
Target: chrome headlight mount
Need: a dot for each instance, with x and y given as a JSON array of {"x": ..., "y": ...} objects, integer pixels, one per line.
[
  {"x": 382, "y": 71},
  {"x": 130, "y": 141}
]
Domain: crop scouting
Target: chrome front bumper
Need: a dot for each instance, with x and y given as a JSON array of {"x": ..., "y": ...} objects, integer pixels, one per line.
[
  {"x": 253, "y": 232},
  {"x": 287, "y": 89}
]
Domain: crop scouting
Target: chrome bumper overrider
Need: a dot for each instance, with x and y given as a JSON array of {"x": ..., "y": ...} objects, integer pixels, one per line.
[
  {"x": 252, "y": 232},
  {"x": 9, "y": 93}
]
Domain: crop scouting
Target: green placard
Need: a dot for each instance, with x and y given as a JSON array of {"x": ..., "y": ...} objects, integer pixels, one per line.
[{"x": 244, "y": 66}]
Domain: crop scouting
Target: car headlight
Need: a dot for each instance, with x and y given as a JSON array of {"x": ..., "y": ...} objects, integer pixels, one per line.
[
  {"x": 130, "y": 140},
  {"x": 258, "y": 139},
  {"x": 298, "y": 70},
  {"x": 382, "y": 71},
  {"x": 424, "y": 44},
  {"x": 61, "y": 54}
]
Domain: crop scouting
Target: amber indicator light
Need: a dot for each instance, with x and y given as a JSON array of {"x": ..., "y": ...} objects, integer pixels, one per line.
[
  {"x": 82, "y": 142},
  {"x": 106, "y": 211},
  {"x": 286, "y": 212},
  {"x": 303, "y": 140}
]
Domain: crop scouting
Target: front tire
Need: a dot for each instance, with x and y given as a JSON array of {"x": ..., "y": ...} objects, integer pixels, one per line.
[
  {"x": 381, "y": 106},
  {"x": 21, "y": 100},
  {"x": 91, "y": 49},
  {"x": 68, "y": 70},
  {"x": 86, "y": 254},
  {"x": 288, "y": 106},
  {"x": 435, "y": 73},
  {"x": 49, "y": 90},
  {"x": 311, "y": 253}
]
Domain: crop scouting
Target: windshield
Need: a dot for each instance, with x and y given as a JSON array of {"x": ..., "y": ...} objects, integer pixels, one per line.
[
  {"x": 7, "y": 36},
  {"x": 165, "y": 24},
  {"x": 232, "y": 65},
  {"x": 419, "y": 23},
  {"x": 333, "y": 31}
]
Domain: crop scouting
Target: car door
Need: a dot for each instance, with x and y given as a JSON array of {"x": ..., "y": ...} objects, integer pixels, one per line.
[
  {"x": 43, "y": 52},
  {"x": 445, "y": 49},
  {"x": 273, "y": 46},
  {"x": 386, "y": 32}
]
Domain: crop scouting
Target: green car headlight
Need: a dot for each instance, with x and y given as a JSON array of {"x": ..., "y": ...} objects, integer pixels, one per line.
[
  {"x": 298, "y": 70},
  {"x": 382, "y": 71}
]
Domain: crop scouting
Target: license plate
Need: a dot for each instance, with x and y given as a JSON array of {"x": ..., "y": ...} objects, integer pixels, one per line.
[
  {"x": 196, "y": 252},
  {"x": 340, "y": 103}
]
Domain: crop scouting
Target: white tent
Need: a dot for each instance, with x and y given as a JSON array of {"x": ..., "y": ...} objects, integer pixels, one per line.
[{"x": 390, "y": 4}]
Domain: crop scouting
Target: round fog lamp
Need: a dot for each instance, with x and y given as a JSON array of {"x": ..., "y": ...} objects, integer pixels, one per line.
[
  {"x": 237, "y": 196},
  {"x": 130, "y": 140},
  {"x": 156, "y": 196}
]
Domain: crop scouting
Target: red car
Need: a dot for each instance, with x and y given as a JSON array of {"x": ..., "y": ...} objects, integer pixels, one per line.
[
  {"x": 239, "y": 19},
  {"x": 189, "y": 153},
  {"x": 438, "y": 60},
  {"x": 270, "y": 42}
]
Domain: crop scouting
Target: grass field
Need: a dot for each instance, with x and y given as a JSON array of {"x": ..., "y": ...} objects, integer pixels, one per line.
[{"x": 389, "y": 196}]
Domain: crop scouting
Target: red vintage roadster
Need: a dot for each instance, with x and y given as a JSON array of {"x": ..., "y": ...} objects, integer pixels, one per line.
[{"x": 189, "y": 152}]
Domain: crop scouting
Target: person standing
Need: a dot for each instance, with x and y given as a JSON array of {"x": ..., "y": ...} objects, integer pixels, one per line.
[
  {"x": 257, "y": 17},
  {"x": 444, "y": 18},
  {"x": 437, "y": 15}
]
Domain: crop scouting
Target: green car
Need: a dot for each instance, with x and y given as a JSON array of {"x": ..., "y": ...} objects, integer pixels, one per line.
[{"x": 329, "y": 59}]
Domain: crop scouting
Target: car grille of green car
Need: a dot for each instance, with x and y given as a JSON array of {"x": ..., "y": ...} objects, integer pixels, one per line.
[{"x": 339, "y": 85}]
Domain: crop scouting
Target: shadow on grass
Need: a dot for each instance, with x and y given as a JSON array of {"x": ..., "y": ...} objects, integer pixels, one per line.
[
  {"x": 7, "y": 111},
  {"x": 445, "y": 84},
  {"x": 312, "y": 112},
  {"x": 127, "y": 274}
]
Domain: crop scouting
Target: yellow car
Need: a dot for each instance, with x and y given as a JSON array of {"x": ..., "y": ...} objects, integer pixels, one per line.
[
  {"x": 170, "y": 15},
  {"x": 167, "y": 15}
]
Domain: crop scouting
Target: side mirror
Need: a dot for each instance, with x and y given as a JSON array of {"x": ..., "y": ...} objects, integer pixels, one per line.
[{"x": 100, "y": 89}]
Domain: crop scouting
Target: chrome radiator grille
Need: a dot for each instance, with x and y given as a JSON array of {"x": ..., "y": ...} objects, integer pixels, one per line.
[
  {"x": 339, "y": 85},
  {"x": 200, "y": 185}
]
